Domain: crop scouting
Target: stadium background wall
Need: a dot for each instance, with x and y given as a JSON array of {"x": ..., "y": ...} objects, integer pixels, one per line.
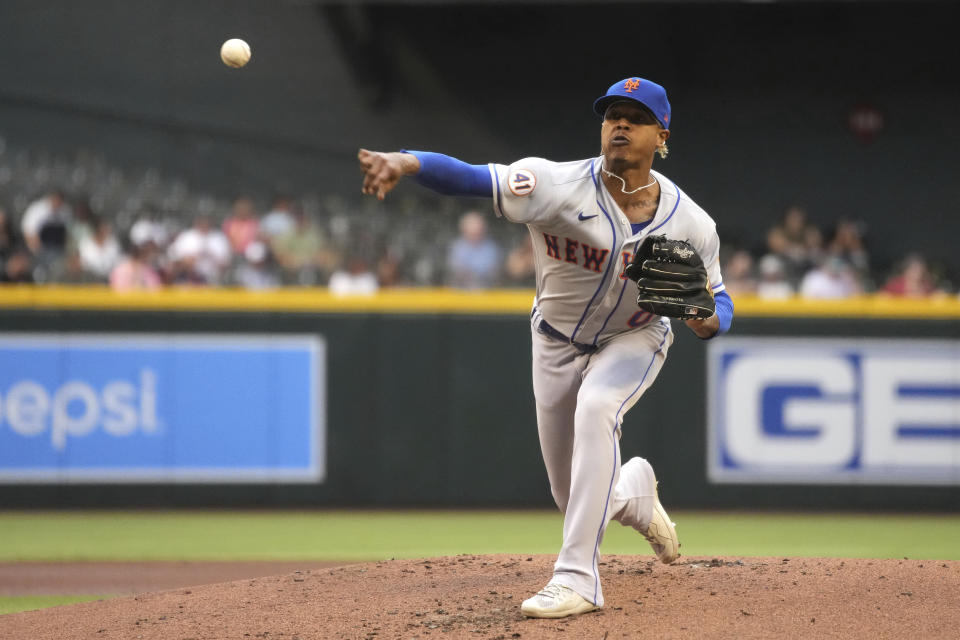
[
  {"x": 488, "y": 82},
  {"x": 434, "y": 409}
]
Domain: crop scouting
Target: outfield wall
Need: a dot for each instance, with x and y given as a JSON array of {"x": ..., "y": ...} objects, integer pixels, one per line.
[{"x": 423, "y": 398}]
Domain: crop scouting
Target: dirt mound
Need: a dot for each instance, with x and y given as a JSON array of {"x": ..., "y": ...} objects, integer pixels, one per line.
[{"x": 479, "y": 597}]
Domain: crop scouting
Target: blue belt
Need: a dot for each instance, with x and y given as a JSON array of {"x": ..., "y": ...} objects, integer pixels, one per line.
[{"x": 545, "y": 328}]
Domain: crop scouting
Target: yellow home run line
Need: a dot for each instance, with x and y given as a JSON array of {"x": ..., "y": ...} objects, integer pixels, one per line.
[{"x": 427, "y": 301}]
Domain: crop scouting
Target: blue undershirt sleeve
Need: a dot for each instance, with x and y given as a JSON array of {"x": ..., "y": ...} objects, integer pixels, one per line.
[
  {"x": 450, "y": 176},
  {"x": 724, "y": 311}
]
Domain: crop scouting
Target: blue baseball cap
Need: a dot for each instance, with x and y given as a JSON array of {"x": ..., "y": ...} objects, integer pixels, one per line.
[{"x": 649, "y": 94}]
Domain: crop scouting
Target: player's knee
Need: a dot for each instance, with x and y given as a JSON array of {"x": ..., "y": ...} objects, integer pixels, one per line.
[{"x": 594, "y": 414}]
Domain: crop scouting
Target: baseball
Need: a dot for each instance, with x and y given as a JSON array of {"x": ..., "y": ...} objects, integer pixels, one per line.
[{"x": 235, "y": 53}]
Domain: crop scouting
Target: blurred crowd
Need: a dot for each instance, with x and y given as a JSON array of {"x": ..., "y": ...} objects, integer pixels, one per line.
[
  {"x": 61, "y": 240},
  {"x": 139, "y": 231},
  {"x": 798, "y": 258},
  {"x": 80, "y": 219}
]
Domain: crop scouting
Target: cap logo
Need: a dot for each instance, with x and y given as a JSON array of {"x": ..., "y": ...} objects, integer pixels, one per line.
[{"x": 631, "y": 84}]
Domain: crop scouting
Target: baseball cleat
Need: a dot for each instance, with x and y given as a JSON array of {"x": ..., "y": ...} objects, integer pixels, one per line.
[
  {"x": 661, "y": 534},
  {"x": 556, "y": 601}
]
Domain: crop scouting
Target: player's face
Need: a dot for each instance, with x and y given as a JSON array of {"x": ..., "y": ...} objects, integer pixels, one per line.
[{"x": 630, "y": 133}]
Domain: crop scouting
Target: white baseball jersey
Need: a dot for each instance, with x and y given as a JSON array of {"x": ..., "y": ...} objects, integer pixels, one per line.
[{"x": 582, "y": 241}]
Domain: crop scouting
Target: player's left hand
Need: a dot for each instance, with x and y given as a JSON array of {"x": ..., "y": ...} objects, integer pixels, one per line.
[
  {"x": 382, "y": 171},
  {"x": 705, "y": 328}
]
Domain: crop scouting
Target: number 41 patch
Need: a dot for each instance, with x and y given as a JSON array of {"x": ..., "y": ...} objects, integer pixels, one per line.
[{"x": 522, "y": 182}]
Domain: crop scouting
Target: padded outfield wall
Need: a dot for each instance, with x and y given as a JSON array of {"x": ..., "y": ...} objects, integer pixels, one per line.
[{"x": 423, "y": 398}]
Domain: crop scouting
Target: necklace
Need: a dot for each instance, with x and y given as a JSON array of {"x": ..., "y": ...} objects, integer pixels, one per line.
[{"x": 624, "y": 182}]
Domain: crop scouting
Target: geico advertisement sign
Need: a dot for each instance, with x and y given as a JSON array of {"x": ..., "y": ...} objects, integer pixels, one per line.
[
  {"x": 76, "y": 408},
  {"x": 834, "y": 411}
]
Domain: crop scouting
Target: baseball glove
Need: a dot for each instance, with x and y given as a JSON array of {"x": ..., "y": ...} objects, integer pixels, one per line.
[{"x": 671, "y": 279}]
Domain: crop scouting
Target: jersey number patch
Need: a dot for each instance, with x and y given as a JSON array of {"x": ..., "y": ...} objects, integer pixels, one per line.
[{"x": 522, "y": 182}]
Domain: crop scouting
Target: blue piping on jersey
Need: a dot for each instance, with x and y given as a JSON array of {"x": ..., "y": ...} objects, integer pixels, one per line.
[
  {"x": 496, "y": 180},
  {"x": 613, "y": 258},
  {"x": 636, "y": 246},
  {"x": 615, "y": 307},
  {"x": 717, "y": 286},
  {"x": 616, "y": 424}
]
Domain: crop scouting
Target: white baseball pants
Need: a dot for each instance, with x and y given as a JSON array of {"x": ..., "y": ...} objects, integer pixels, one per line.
[{"x": 581, "y": 400}]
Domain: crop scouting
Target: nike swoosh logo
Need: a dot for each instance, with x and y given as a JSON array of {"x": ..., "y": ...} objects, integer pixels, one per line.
[{"x": 582, "y": 217}]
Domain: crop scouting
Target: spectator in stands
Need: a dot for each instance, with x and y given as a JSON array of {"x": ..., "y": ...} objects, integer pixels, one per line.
[
  {"x": 17, "y": 269},
  {"x": 257, "y": 270},
  {"x": 8, "y": 235},
  {"x": 773, "y": 278},
  {"x": 44, "y": 224},
  {"x": 279, "y": 220},
  {"x": 520, "y": 270},
  {"x": 304, "y": 253},
  {"x": 100, "y": 252},
  {"x": 738, "y": 275},
  {"x": 148, "y": 227},
  {"x": 81, "y": 226},
  {"x": 834, "y": 278},
  {"x": 355, "y": 278},
  {"x": 388, "y": 268},
  {"x": 199, "y": 254},
  {"x": 847, "y": 243},
  {"x": 135, "y": 271},
  {"x": 473, "y": 260},
  {"x": 796, "y": 242},
  {"x": 242, "y": 226},
  {"x": 913, "y": 279}
]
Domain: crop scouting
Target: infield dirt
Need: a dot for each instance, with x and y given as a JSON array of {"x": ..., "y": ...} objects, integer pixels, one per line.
[{"x": 479, "y": 597}]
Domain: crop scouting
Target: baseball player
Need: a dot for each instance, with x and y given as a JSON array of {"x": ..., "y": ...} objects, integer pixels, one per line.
[{"x": 596, "y": 225}]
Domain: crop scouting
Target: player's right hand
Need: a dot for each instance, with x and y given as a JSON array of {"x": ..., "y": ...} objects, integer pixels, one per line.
[{"x": 382, "y": 171}]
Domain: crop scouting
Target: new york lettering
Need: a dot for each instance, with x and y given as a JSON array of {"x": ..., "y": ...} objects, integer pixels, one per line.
[{"x": 588, "y": 257}]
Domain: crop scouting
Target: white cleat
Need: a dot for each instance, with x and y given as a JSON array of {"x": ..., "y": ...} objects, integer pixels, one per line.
[
  {"x": 556, "y": 601},
  {"x": 661, "y": 533}
]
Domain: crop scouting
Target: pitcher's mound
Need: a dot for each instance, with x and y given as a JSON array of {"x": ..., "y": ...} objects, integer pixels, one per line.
[{"x": 480, "y": 596}]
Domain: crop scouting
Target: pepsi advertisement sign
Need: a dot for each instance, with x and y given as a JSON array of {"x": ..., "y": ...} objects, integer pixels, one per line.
[
  {"x": 831, "y": 411},
  {"x": 161, "y": 408}
]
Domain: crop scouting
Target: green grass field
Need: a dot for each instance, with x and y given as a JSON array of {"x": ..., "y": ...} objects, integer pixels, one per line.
[
  {"x": 371, "y": 535},
  {"x": 29, "y": 603}
]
